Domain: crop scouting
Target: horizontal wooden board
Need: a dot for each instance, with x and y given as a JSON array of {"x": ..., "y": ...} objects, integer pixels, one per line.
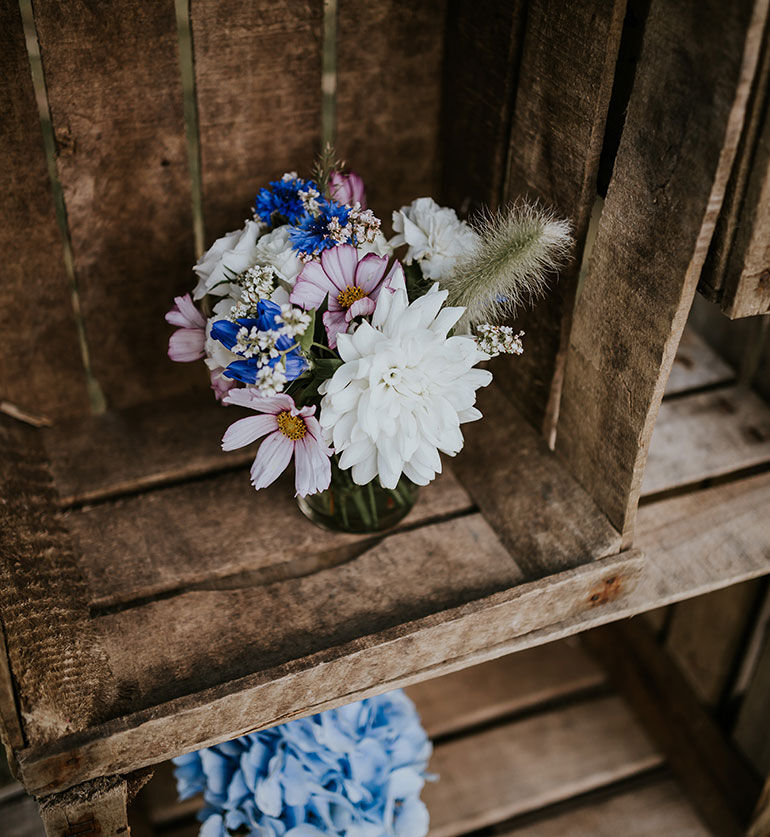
[
  {"x": 519, "y": 767},
  {"x": 447, "y": 705},
  {"x": 696, "y": 365},
  {"x": 657, "y": 808},
  {"x": 707, "y": 435}
]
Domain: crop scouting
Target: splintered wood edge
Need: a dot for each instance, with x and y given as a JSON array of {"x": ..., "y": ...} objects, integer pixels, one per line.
[{"x": 526, "y": 615}]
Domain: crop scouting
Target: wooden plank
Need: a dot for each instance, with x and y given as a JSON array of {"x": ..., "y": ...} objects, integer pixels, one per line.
[
  {"x": 36, "y": 318},
  {"x": 651, "y": 244},
  {"x": 98, "y": 807},
  {"x": 178, "y": 539},
  {"x": 519, "y": 767},
  {"x": 392, "y": 138},
  {"x": 112, "y": 75},
  {"x": 447, "y": 705},
  {"x": 544, "y": 518},
  {"x": 59, "y": 672},
  {"x": 751, "y": 728},
  {"x": 502, "y": 687},
  {"x": 658, "y": 808},
  {"x": 719, "y": 783},
  {"x": 696, "y": 365},
  {"x": 706, "y": 636},
  {"x": 557, "y": 130},
  {"x": 698, "y": 437},
  {"x": 258, "y": 85},
  {"x": 481, "y": 69}
]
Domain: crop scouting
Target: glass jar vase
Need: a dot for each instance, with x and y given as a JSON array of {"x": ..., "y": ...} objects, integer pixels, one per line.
[{"x": 347, "y": 507}]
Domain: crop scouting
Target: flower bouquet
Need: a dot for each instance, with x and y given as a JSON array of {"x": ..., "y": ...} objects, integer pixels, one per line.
[
  {"x": 356, "y": 770},
  {"x": 357, "y": 354}
]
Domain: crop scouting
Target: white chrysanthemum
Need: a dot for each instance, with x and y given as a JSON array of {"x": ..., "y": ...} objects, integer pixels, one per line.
[
  {"x": 437, "y": 238},
  {"x": 403, "y": 390},
  {"x": 275, "y": 249}
]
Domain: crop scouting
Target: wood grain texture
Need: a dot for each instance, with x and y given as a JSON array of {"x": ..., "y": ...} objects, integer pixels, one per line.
[
  {"x": 696, "y": 365},
  {"x": 720, "y": 784},
  {"x": 651, "y": 244},
  {"x": 698, "y": 437},
  {"x": 177, "y": 539},
  {"x": 389, "y": 73},
  {"x": 519, "y": 767},
  {"x": 557, "y": 129},
  {"x": 60, "y": 674},
  {"x": 258, "y": 86},
  {"x": 36, "y": 318},
  {"x": 481, "y": 67},
  {"x": 114, "y": 89},
  {"x": 706, "y": 636},
  {"x": 544, "y": 518},
  {"x": 658, "y": 808},
  {"x": 97, "y": 807}
]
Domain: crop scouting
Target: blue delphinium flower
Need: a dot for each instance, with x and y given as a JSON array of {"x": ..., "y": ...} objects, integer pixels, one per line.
[
  {"x": 290, "y": 197},
  {"x": 318, "y": 232},
  {"x": 263, "y": 343},
  {"x": 356, "y": 771}
]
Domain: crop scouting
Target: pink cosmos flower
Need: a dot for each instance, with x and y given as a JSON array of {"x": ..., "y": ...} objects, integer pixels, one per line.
[
  {"x": 289, "y": 432},
  {"x": 352, "y": 286},
  {"x": 188, "y": 342},
  {"x": 347, "y": 188},
  {"x": 220, "y": 384}
]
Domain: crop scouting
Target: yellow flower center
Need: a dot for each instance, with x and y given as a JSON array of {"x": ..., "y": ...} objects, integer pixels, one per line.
[
  {"x": 293, "y": 427},
  {"x": 350, "y": 295}
]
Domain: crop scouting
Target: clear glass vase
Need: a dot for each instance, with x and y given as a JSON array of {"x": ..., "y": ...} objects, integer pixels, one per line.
[{"x": 347, "y": 507}]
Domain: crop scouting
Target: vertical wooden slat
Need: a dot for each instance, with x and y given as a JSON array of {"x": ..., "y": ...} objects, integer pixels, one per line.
[
  {"x": 557, "y": 129},
  {"x": 41, "y": 370},
  {"x": 669, "y": 179},
  {"x": 389, "y": 63},
  {"x": 258, "y": 80},
  {"x": 114, "y": 90}
]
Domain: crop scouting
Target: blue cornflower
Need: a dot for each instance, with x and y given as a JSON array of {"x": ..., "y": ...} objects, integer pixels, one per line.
[
  {"x": 283, "y": 197},
  {"x": 315, "y": 233},
  {"x": 255, "y": 339},
  {"x": 357, "y": 770}
]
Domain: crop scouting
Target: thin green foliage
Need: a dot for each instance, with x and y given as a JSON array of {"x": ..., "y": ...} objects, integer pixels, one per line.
[{"x": 325, "y": 164}]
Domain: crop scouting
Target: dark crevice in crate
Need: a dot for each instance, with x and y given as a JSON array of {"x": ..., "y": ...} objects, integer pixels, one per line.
[{"x": 701, "y": 485}]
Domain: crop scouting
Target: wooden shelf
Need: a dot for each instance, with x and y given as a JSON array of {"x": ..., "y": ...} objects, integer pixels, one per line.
[{"x": 264, "y": 618}]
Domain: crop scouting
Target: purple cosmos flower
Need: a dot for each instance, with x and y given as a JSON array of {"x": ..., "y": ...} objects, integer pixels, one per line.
[
  {"x": 352, "y": 286},
  {"x": 289, "y": 433},
  {"x": 188, "y": 342},
  {"x": 347, "y": 189}
]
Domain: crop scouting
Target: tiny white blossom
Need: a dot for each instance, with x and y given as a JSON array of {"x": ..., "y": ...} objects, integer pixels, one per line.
[
  {"x": 295, "y": 320},
  {"x": 270, "y": 380},
  {"x": 496, "y": 340},
  {"x": 309, "y": 198}
]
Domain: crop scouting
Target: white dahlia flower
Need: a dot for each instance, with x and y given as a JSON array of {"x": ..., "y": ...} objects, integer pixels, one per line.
[{"x": 403, "y": 390}]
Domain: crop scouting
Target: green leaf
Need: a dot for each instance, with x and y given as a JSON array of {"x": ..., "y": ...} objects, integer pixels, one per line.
[{"x": 306, "y": 340}]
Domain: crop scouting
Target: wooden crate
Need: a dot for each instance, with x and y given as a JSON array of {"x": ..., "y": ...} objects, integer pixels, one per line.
[{"x": 139, "y": 624}]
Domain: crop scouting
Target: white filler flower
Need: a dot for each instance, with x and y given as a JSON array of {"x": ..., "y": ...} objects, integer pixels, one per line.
[
  {"x": 403, "y": 390},
  {"x": 437, "y": 238}
]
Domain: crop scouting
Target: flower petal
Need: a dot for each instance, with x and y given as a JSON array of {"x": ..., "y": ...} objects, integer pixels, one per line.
[
  {"x": 247, "y": 430},
  {"x": 335, "y": 323},
  {"x": 339, "y": 264},
  {"x": 311, "y": 287},
  {"x": 187, "y": 344},
  {"x": 370, "y": 271},
  {"x": 360, "y": 308},
  {"x": 262, "y": 403},
  {"x": 313, "y": 467},
  {"x": 272, "y": 459}
]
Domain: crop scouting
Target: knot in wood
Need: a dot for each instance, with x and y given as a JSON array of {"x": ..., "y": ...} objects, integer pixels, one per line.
[{"x": 607, "y": 591}]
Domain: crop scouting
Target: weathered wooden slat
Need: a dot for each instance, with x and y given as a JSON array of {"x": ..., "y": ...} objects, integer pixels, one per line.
[
  {"x": 112, "y": 74},
  {"x": 60, "y": 675},
  {"x": 447, "y": 705},
  {"x": 522, "y": 766},
  {"x": 696, "y": 365},
  {"x": 720, "y": 784},
  {"x": 97, "y": 807},
  {"x": 258, "y": 85},
  {"x": 42, "y": 371},
  {"x": 545, "y": 519},
  {"x": 751, "y": 728},
  {"x": 651, "y": 245},
  {"x": 557, "y": 129},
  {"x": 706, "y": 435},
  {"x": 219, "y": 532},
  {"x": 481, "y": 67},
  {"x": 658, "y": 808},
  {"x": 706, "y": 635},
  {"x": 389, "y": 63}
]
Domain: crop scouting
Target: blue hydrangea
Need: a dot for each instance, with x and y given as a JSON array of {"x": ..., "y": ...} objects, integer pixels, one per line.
[
  {"x": 356, "y": 771},
  {"x": 321, "y": 231},
  {"x": 282, "y": 197},
  {"x": 227, "y": 333}
]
